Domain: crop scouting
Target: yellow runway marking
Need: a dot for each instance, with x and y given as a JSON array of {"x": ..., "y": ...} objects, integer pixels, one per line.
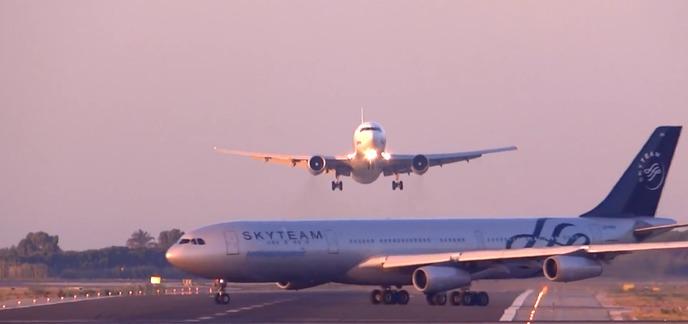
[{"x": 541, "y": 294}]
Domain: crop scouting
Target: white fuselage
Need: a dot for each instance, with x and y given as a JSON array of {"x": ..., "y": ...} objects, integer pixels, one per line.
[
  {"x": 369, "y": 147},
  {"x": 331, "y": 251}
]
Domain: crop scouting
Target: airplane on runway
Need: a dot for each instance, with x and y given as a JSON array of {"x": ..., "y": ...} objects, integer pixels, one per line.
[
  {"x": 437, "y": 256},
  {"x": 369, "y": 159}
]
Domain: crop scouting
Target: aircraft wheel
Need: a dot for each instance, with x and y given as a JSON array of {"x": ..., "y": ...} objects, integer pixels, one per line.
[
  {"x": 389, "y": 297},
  {"x": 403, "y": 297},
  {"x": 456, "y": 298},
  {"x": 440, "y": 299},
  {"x": 483, "y": 299},
  {"x": 376, "y": 297},
  {"x": 224, "y": 299},
  {"x": 430, "y": 299},
  {"x": 468, "y": 298},
  {"x": 217, "y": 298},
  {"x": 401, "y": 185}
]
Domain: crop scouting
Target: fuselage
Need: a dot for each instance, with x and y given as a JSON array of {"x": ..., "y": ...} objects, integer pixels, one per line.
[
  {"x": 369, "y": 147},
  {"x": 331, "y": 251}
]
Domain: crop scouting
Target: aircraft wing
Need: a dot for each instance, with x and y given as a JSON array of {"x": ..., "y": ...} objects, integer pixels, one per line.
[
  {"x": 401, "y": 163},
  {"x": 397, "y": 261},
  {"x": 338, "y": 163}
]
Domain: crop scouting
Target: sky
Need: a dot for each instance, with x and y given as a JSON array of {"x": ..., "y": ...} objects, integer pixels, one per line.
[{"x": 109, "y": 110}]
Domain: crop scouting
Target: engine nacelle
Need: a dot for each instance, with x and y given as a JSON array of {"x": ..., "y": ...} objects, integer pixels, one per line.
[
  {"x": 570, "y": 268},
  {"x": 316, "y": 165},
  {"x": 298, "y": 285},
  {"x": 432, "y": 279},
  {"x": 420, "y": 164}
]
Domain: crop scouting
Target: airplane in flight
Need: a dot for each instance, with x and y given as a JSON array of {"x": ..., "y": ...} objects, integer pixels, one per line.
[
  {"x": 369, "y": 159},
  {"x": 437, "y": 256}
]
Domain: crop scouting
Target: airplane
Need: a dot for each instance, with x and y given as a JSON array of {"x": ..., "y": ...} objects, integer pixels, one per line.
[
  {"x": 437, "y": 256},
  {"x": 369, "y": 159}
]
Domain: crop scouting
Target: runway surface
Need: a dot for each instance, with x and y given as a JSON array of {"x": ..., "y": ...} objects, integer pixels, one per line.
[{"x": 332, "y": 304}]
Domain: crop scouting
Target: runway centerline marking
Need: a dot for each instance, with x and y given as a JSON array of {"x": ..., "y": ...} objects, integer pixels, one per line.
[
  {"x": 240, "y": 309},
  {"x": 510, "y": 312}
]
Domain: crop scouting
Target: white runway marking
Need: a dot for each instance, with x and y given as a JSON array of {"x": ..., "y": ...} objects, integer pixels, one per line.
[
  {"x": 240, "y": 309},
  {"x": 510, "y": 312}
]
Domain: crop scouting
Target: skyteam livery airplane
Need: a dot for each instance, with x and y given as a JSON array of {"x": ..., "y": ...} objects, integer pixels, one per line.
[
  {"x": 368, "y": 160},
  {"x": 437, "y": 256}
]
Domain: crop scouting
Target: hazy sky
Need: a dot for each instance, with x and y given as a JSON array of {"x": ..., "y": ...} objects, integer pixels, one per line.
[{"x": 109, "y": 109}]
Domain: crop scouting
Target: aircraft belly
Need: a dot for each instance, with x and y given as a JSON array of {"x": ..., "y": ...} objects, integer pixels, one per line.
[
  {"x": 271, "y": 266},
  {"x": 364, "y": 173}
]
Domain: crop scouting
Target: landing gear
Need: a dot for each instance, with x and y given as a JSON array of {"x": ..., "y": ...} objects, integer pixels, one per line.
[
  {"x": 397, "y": 184},
  {"x": 389, "y": 297},
  {"x": 436, "y": 299},
  {"x": 337, "y": 184},
  {"x": 221, "y": 296},
  {"x": 457, "y": 298}
]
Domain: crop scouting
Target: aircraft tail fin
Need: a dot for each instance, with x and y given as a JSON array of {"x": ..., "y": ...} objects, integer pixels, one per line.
[{"x": 638, "y": 191}]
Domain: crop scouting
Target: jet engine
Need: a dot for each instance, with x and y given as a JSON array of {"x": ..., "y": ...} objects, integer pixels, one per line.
[
  {"x": 298, "y": 285},
  {"x": 316, "y": 165},
  {"x": 433, "y": 279},
  {"x": 570, "y": 268},
  {"x": 420, "y": 164}
]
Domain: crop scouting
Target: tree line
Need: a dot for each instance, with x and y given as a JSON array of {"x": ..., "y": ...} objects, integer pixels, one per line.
[{"x": 39, "y": 255}]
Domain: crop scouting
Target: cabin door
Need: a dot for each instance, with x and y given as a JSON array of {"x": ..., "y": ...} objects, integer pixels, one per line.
[
  {"x": 332, "y": 244},
  {"x": 479, "y": 239},
  {"x": 231, "y": 243}
]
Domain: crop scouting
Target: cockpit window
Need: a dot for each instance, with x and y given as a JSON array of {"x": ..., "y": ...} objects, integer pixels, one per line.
[
  {"x": 194, "y": 241},
  {"x": 377, "y": 129}
]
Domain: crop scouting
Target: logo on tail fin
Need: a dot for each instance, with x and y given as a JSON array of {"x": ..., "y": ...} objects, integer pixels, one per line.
[{"x": 651, "y": 170}]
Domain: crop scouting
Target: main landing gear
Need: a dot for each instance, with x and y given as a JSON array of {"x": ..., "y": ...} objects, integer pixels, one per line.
[
  {"x": 221, "y": 296},
  {"x": 397, "y": 184},
  {"x": 456, "y": 298},
  {"x": 337, "y": 184},
  {"x": 389, "y": 296}
]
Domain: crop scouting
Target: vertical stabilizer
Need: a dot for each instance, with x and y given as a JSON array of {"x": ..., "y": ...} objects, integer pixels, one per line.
[{"x": 638, "y": 191}]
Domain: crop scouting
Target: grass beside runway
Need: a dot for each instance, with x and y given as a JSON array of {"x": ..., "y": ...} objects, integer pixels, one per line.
[{"x": 651, "y": 301}]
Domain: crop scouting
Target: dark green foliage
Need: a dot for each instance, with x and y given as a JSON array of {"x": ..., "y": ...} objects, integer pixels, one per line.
[
  {"x": 38, "y": 244},
  {"x": 141, "y": 258},
  {"x": 168, "y": 238},
  {"x": 140, "y": 240}
]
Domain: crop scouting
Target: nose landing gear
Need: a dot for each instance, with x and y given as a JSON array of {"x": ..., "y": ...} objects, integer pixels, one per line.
[
  {"x": 337, "y": 184},
  {"x": 221, "y": 296}
]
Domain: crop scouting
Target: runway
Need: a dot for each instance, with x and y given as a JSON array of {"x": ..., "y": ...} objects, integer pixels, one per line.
[{"x": 330, "y": 304}]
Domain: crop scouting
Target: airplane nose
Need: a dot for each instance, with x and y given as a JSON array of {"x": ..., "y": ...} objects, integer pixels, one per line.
[{"x": 172, "y": 255}]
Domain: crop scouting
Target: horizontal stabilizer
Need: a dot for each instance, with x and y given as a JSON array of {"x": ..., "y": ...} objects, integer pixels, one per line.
[{"x": 657, "y": 229}]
